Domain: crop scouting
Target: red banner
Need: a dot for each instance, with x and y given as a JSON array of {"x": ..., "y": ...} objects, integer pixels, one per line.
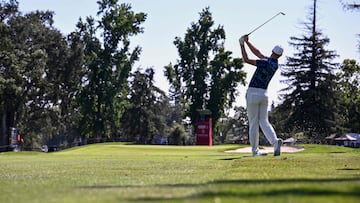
[{"x": 204, "y": 132}]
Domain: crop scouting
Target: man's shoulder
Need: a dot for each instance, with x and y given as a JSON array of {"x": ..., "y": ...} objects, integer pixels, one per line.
[{"x": 262, "y": 61}]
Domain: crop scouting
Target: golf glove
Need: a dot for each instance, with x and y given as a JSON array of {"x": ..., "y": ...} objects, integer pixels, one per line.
[{"x": 241, "y": 40}]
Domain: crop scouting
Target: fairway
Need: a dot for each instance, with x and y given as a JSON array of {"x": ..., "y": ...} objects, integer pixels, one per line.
[{"x": 120, "y": 172}]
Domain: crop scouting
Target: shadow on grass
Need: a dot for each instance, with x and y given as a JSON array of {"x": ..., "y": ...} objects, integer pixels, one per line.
[
  {"x": 348, "y": 169},
  {"x": 296, "y": 192},
  {"x": 206, "y": 190},
  {"x": 269, "y": 192},
  {"x": 235, "y": 158},
  {"x": 245, "y": 181}
]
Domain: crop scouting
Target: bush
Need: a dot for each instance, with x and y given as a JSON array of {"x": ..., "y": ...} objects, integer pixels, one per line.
[{"x": 178, "y": 136}]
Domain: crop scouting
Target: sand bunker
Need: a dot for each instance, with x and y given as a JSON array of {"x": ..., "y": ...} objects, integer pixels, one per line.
[{"x": 285, "y": 149}]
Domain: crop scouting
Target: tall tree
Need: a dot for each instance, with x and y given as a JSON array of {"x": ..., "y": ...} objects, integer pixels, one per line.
[
  {"x": 7, "y": 87},
  {"x": 144, "y": 117},
  {"x": 205, "y": 76},
  {"x": 311, "y": 99},
  {"x": 34, "y": 65},
  {"x": 108, "y": 62},
  {"x": 349, "y": 85}
]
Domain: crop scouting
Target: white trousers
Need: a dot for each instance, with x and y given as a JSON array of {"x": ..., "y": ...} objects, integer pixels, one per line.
[{"x": 257, "y": 105}]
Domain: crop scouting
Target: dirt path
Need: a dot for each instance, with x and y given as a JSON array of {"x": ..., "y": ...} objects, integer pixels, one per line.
[{"x": 286, "y": 149}]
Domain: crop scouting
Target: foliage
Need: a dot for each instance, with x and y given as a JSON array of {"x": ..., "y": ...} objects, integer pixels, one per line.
[
  {"x": 349, "y": 86},
  {"x": 234, "y": 129},
  {"x": 144, "y": 117},
  {"x": 55, "y": 88},
  {"x": 108, "y": 62},
  {"x": 39, "y": 75},
  {"x": 354, "y": 5},
  {"x": 205, "y": 75},
  {"x": 311, "y": 100},
  {"x": 178, "y": 136}
]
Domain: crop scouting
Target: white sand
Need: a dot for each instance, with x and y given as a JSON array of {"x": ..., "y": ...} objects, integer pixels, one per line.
[{"x": 286, "y": 149}]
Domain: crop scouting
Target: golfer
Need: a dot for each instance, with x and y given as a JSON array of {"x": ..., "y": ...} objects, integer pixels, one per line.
[{"x": 256, "y": 95}]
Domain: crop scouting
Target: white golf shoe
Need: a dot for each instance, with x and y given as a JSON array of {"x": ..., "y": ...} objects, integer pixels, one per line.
[{"x": 259, "y": 153}]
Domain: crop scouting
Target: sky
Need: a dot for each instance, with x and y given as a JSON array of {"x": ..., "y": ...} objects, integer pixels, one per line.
[{"x": 168, "y": 19}]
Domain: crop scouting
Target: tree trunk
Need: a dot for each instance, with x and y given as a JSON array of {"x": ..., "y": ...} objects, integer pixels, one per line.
[{"x": 4, "y": 138}]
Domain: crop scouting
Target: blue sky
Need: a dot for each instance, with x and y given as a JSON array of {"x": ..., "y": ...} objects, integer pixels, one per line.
[{"x": 168, "y": 19}]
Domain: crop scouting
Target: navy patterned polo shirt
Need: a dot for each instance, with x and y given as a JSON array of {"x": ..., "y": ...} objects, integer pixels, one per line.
[{"x": 265, "y": 70}]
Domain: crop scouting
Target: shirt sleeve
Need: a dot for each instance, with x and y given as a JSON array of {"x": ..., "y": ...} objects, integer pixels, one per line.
[{"x": 261, "y": 63}]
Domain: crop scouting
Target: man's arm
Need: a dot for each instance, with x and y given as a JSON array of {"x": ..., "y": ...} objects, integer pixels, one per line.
[
  {"x": 245, "y": 56},
  {"x": 253, "y": 49}
]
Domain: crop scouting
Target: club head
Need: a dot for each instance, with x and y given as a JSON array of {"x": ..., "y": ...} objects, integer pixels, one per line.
[{"x": 282, "y": 13}]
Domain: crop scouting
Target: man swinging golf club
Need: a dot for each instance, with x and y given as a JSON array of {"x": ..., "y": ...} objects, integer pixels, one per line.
[{"x": 256, "y": 95}]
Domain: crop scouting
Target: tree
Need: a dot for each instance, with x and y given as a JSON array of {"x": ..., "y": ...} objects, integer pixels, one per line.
[
  {"x": 349, "y": 86},
  {"x": 53, "y": 79},
  {"x": 34, "y": 67},
  {"x": 237, "y": 126},
  {"x": 311, "y": 99},
  {"x": 355, "y": 5},
  {"x": 108, "y": 62},
  {"x": 7, "y": 11},
  {"x": 178, "y": 136},
  {"x": 351, "y": 6},
  {"x": 144, "y": 117},
  {"x": 205, "y": 76}
]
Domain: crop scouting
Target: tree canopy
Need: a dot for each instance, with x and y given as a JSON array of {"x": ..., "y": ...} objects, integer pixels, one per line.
[
  {"x": 108, "y": 63},
  {"x": 311, "y": 101},
  {"x": 63, "y": 89},
  {"x": 205, "y": 76},
  {"x": 39, "y": 73}
]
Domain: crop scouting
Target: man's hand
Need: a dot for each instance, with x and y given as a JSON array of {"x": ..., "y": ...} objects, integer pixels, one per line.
[
  {"x": 246, "y": 38},
  {"x": 241, "y": 41}
]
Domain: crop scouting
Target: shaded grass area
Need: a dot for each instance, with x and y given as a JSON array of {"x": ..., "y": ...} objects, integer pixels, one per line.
[{"x": 120, "y": 172}]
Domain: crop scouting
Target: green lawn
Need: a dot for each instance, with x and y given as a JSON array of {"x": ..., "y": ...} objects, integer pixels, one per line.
[{"x": 117, "y": 172}]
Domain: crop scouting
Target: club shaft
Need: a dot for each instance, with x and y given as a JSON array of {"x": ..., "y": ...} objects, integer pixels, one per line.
[{"x": 265, "y": 22}]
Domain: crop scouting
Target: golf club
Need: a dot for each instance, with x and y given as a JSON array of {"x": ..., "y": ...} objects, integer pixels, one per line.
[{"x": 266, "y": 22}]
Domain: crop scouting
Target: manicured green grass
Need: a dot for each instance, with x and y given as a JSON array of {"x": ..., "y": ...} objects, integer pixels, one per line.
[{"x": 119, "y": 172}]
